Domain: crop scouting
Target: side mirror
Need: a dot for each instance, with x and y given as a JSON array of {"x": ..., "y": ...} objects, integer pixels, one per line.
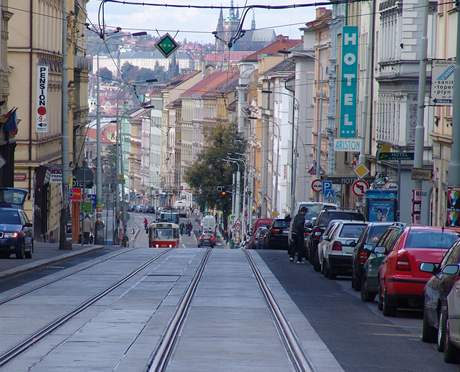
[
  {"x": 379, "y": 250},
  {"x": 450, "y": 270},
  {"x": 28, "y": 224},
  {"x": 430, "y": 268},
  {"x": 353, "y": 244}
]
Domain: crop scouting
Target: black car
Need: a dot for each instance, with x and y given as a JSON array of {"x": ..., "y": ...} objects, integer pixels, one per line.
[
  {"x": 318, "y": 227},
  {"x": 16, "y": 234},
  {"x": 364, "y": 247},
  {"x": 277, "y": 235},
  {"x": 436, "y": 290}
]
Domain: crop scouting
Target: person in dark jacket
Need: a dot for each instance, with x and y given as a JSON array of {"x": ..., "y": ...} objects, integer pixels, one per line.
[{"x": 298, "y": 229}]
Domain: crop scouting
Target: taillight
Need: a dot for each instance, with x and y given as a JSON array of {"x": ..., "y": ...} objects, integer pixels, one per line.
[
  {"x": 337, "y": 246},
  {"x": 275, "y": 231},
  {"x": 306, "y": 233},
  {"x": 363, "y": 256},
  {"x": 403, "y": 263},
  {"x": 316, "y": 233}
]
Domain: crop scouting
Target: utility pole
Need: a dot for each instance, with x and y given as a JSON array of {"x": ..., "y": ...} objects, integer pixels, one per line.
[
  {"x": 368, "y": 84},
  {"x": 63, "y": 244},
  {"x": 98, "y": 145},
  {"x": 454, "y": 164},
  {"x": 320, "y": 129},
  {"x": 419, "y": 129}
]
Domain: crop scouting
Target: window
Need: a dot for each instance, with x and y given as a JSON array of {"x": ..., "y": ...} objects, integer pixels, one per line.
[
  {"x": 9, "y": 217},
  {"x": 352, "y": 231},
  {"x": 164, "y": 234},
  {"x": 375, "y": 233},
  {"x": 430, "y": 239},
  {"x": 453, "y": 256}
]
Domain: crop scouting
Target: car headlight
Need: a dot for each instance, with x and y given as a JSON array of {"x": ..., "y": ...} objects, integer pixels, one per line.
[
  {"x": 157, "y": 246},
  {"x": 11, "y": 234},
  {"x": 170, "y": 246}
]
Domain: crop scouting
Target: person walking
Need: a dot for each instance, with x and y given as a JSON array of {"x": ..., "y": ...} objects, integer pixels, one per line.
[
  {"x": 298, "y": 249},
  {"x": 87, "y": 228}
]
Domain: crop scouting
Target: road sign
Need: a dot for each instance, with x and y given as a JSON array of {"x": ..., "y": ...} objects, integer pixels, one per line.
[
  {"x": 361, "y": 171},
  {"x": 422, "y": 174},
  {"x": 442, "y": 82},
  {"x": 316, "y": 185},
  {"x": 396, "y": 156},
  {"x": 328, "y": 190},
  {"x": 167, "y": 45},
  {"x": 360, "y": 187},
  {"x": 347, "y": 145}
]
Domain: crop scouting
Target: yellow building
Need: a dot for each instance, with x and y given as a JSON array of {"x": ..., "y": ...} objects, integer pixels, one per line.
[{"x": 35, "y": 57}]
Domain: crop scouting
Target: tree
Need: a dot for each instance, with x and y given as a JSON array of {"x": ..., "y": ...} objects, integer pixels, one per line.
[
  {"x": 105, "y": 74},
  {"x": 145, "y": 74},
  {"x": 129, "y": 72},
  {"x": 210, "y": 170}
]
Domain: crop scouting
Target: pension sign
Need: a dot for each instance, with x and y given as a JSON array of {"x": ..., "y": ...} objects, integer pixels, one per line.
[{"x": 349, "y": 78}]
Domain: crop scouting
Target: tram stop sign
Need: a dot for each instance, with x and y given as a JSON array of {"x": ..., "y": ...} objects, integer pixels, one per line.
[{"x": 167, "y": 45}]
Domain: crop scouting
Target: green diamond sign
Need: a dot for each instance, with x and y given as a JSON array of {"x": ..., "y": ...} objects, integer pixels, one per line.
[{"x": 167, "y": 45}]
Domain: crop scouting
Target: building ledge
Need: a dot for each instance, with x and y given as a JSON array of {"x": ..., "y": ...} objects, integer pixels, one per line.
[{"x": 437, "y": 137}]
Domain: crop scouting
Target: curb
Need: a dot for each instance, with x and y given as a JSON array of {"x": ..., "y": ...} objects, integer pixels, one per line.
[{"x": 46, "y": 261}]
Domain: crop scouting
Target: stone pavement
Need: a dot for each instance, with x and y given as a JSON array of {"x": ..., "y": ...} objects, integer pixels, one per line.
[{"x": 44, "y": 253}]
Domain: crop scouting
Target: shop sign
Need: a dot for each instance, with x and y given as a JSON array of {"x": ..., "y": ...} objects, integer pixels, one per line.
[
  {"x": 41, "y": 124},
  {"x": 349, "y": 78},
  {"x": 347, "y": 145},
  {"x": 442, "y": 82},
  {"x": 20, "y": 176}
]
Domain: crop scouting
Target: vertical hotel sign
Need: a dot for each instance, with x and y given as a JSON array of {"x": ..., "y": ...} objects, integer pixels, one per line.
[
  {"x": 41, "y": 125},
  {"x": 349, "y": 79}
]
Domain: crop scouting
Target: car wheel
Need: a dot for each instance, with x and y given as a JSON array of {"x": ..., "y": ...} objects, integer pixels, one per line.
[
  {"x": 388, "y": 310},
  {"x": 380, "y": 298},
  {"x": 366, "y": 296},
  {"x": 355, "y": 283},
  {"x": 329, "y": 273},
  {"x": 20, "y": 252},
  {"x": 428, "y": 332},
  {"x": 451, "y": 352},
  {"x": 316, "y": 265},
  {"x": 441, "y": 334}
]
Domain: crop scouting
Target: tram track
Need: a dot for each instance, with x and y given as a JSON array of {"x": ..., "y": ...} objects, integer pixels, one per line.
[
  {"x": 158, "y": 362},
  {"x": 25, "y": 344},
  {"x": 288, "y": 337}
]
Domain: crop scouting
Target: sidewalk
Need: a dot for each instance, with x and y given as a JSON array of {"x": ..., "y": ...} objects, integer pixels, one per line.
[{"x": 44, "y": 254}]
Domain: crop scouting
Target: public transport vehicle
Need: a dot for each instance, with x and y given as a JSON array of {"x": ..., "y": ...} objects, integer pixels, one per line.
[
  {"x": 169, "y": 216},
  {"x": 164, "y": 235}
]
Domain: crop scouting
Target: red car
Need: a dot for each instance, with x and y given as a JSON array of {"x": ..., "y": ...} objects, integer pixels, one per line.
[
  {"x": 258, "y": 223},
  {"x": 401, "y": 282}
]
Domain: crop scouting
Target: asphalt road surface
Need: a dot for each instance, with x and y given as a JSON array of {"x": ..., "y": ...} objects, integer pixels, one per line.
[{"x": 357, "y": 334}]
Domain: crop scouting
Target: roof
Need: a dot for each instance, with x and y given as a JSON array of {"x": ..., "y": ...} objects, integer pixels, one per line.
[
  {"x": 181, "y": 78},
  {"x": 216, "y": 82},
  {"x": 287, "y": 65},
  {"x": 281, "y": 43},
  {"x": 232, "y": 56}
]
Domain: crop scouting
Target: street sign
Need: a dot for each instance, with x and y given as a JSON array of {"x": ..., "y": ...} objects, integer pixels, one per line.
[
  {"x": 361, "y": 171},
  {"x": 20, "y": 176},
  {"x": 396, "y": 156},
  {"x": 167, "y": 45},
  {"x": 422, "y": 174},
  {"x": 347, "y": 145},
  {"x": 328, "y": 190},
  {"x": 316, "y": 185},
  {"x": 442, "y": 82},
  {"x": 41, "y": 123},
  {"x": 360, "y": 187}
]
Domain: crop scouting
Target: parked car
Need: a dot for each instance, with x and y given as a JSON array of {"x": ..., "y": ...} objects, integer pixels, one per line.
[
  {"x": 207, "y": 239},
  {"x": 277, "y": 235},
  {"x": 16, "y": 235},
  {"x": 259, "y": 238},
  {"x": 366, "y": 243},
  {"x": 370, "y": 273},
  {"x": 401, "y": 282},
  {"x": 436, "y": 290},
  {"x": 313, "y": 210},
  {"x": 258, "y": 223},
  {"x": 318, "y": 227},
  {"x": 335, "y": 252},
  {"x": 452, "y": 324}
]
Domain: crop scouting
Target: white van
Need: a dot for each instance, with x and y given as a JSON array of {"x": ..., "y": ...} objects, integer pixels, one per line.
[{"x": 208, "y": 224}]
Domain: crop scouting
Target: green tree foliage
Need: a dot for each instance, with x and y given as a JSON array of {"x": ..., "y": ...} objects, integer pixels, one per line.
[
  {"x": 105, "y": 74},
  {"x": 210, "y": 169}
]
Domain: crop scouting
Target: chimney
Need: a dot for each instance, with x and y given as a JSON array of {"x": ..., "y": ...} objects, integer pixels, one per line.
[{"x": 320, "y": 12}]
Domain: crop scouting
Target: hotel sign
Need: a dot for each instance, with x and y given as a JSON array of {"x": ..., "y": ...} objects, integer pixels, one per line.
[
  {"x": 41, "y": 124},
  {"x": 349, "y": 79}
]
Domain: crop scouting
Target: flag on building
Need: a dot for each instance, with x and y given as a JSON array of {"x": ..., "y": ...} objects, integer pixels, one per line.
[{"x": 10, "y": 123}]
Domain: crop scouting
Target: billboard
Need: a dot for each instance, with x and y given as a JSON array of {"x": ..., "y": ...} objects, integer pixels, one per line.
[{"x": 349, "y": 81}]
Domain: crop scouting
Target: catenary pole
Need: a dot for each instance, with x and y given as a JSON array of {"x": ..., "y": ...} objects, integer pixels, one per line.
[
  {"x": 420, "y": 129},
  {"x": 454, "y": 164},
  {"x": 320, "y": 129},
  {"x": 63, "y": 244},
  {"x": 98, "y": 144}
]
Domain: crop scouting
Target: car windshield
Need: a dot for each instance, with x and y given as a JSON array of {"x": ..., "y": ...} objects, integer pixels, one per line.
[
  {"x": 339, "y": 215},
  {"x": 352, "y": 230},
  {"x": 280, "y": 224},
  {"x": 375, "y": 233},
  {"x": 312, "y": 210},
  {"x": 431, "y": 239},
  {"x": 164, "y": 233},
  {"x": 9, "y": 217}
]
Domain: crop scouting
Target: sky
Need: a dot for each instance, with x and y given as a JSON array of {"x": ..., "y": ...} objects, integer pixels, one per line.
[{"x": 134, "y": 17}]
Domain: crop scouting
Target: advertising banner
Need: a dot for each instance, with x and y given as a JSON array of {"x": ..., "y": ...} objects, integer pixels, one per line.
[
  {"x": 349, "y": 80},
  {"x": 453, "y": 207},
  {"x": 381, "y": 205},
  {"x": 41, "y": 124}
]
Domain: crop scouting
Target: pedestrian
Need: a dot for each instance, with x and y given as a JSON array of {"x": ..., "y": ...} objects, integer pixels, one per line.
[
  {"x": 146, "y": 224},
  {"x": 298, "y": 229},
  {"x": 87, "y": 228}
]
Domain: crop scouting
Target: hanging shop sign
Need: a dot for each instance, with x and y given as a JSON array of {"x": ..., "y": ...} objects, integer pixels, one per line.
[
  {"x": 41, "y": 124},
  {"x": 349, "y": 80},
  {"x": 347, "y": 144},
  {"x": 442, "y": 82}
]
